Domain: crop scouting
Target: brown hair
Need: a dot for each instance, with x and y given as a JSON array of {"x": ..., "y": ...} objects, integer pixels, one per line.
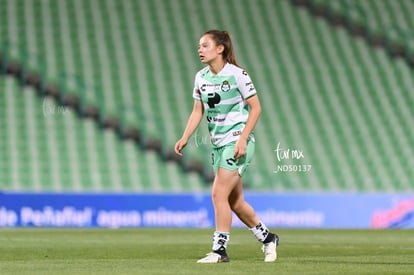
[{"x": 223, "y": 38}]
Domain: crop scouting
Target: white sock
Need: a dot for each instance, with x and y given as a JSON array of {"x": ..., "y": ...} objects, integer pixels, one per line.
[
  {"x": 260, "y": 231},
  {"x": 220, "y": 240}
]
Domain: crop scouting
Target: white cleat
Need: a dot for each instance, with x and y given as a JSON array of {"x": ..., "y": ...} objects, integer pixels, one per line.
[
  {"x": 269, "y": 249},
  {"x": 213, "y": 258}
]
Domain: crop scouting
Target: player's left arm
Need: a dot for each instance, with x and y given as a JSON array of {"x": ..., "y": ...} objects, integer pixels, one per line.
[
  {"x": 248, "y": 92},
  {"x": 254, "y": 114}
]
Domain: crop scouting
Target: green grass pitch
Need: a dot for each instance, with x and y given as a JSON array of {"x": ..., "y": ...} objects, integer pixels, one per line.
[{"x": 175, "y": 251}]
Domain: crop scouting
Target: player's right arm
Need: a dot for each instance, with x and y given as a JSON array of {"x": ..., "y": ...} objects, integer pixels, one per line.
[{"x": 192, "y": 124}]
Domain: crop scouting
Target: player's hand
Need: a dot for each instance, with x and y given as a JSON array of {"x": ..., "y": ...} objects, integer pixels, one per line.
[
  {"x": 179, "y": 146},
  {"x": 240, "y": 148}
]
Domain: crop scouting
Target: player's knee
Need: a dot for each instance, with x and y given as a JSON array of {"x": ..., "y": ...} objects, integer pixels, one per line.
[{"x": 218, "y": 197}]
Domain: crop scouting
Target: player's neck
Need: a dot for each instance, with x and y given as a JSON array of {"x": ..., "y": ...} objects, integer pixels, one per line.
[{"x": 216, "y": 66}]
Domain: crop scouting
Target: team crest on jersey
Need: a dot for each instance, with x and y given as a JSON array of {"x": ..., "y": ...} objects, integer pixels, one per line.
[{"x": 225, "y": 87}]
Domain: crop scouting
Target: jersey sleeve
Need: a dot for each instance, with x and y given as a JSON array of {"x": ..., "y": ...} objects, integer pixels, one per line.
[
  {"x": 196, "y": 89},
  {"x": 245, "y": 85}
]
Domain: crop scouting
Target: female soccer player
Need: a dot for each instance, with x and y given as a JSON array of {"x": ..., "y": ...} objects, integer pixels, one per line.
[{"x": 225, "y": 92}]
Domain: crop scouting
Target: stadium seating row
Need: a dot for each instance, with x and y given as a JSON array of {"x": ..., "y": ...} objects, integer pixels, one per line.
[
  {"x": 383, "y": 23},
  {"x": 47, "y": 147}
]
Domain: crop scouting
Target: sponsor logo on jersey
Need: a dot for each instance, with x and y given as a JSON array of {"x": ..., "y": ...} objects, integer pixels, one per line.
[
  {"x": 208, "y": 86},
  {"x": 236, "y": 133},
  {"x": 214, "y": 140},
  {"x": 212, "y": 112},
  {"x": 215, "y": 119},
  {"x": 250, "y": 85}
]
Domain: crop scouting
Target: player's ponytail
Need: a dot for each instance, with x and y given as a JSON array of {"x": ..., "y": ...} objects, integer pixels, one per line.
[{"x": 223, "y": 38}]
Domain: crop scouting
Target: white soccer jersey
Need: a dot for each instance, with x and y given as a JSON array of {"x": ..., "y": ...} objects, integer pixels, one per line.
[{"x": 224, "y": 98}]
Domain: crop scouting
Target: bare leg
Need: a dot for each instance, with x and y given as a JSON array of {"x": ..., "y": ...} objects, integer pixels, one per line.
[
  {"x": 227, "y": 196},
  {"x": 243, "y": 209},
  {"x": 224, "y": 184},
  {"x": 248, "y": 216}
]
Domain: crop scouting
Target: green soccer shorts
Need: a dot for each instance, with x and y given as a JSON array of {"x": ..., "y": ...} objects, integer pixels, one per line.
[{"x": 224, "y": 157}]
